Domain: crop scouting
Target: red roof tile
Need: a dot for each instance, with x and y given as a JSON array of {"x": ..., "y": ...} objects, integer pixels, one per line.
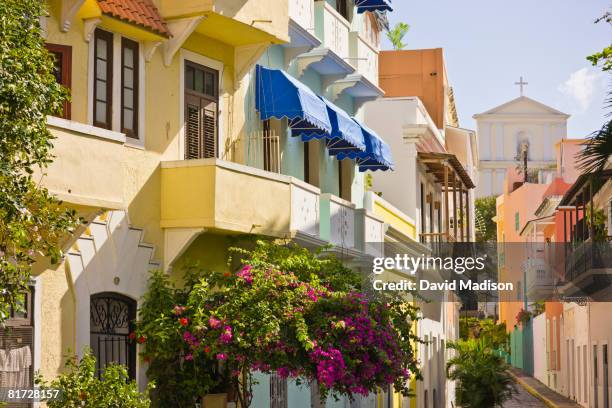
[{"x": 139, "y": 12}]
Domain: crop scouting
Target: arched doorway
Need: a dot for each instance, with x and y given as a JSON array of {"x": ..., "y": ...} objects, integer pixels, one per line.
[{"x": 111, "y": 319}]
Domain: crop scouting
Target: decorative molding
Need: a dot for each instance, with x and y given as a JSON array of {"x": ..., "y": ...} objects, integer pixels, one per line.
[
  {"x": 291, "y": 53},
  {"x": 305, "y": 61},
  {"x": 89, "y": 26},
  {"x": 181, "y": 29},
  {"x": 69, "y": 8},
  {"x": 149, "y": 49}
]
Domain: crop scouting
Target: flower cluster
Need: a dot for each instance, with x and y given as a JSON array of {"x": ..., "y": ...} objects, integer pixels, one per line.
[{"x": 304, "y": 324}]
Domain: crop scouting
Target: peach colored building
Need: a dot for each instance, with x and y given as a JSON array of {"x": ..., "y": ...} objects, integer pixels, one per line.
[{"x": 419, "y": 73}]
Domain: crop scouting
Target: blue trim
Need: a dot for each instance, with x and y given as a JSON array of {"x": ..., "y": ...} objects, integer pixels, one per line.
[
  {"x": 279, "y": 95},
  {"x": 373, "y": 5}
]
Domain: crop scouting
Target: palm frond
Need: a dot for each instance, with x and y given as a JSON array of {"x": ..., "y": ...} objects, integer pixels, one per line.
[{"x": 598, "y": 147}]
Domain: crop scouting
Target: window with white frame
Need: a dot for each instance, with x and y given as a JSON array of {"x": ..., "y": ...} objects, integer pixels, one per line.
[{"x": 116, "y": 83}]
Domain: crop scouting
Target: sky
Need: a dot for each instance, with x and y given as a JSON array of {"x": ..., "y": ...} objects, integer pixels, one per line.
[{"x": 489, "y": 44}]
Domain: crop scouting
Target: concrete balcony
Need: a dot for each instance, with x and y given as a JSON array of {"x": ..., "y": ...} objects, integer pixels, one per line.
[
  {"x": 302, "y": 12},
  {"x": 338, "y": 222},
  {"x": 332, "y": 29},
  {"x": 370, "y": 233},
  {"x": 538, "y": 279},
  {"x": 216, "y": 195},
  {"x": 261, "y": 20},
  {"x": 364, "y": 57},
  {"x": 398, "y": 221},
  {"x": 88, "y": 170}
]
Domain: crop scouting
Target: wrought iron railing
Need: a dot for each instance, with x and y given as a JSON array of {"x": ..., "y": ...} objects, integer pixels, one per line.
[{"x": 587, "y": 256}]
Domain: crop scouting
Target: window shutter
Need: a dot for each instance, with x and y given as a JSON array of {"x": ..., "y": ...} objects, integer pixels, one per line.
[
  {"x": 210, "y": 129},
  {"x": 193, "y": 124}
]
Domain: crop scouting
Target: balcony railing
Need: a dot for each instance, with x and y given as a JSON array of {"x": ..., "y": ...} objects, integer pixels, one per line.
[
  {"x": 364, "y": 57},
  {"x": 539, "y": 278},
  {"x": 338, "y": 221},
  {"x": 332, "y": 29},
  {"x": 302, "y": 12},
  {"x": 263, "y": 151},
  {"x": 217, "y": 195},
  {"x": 587, "y": 256}
]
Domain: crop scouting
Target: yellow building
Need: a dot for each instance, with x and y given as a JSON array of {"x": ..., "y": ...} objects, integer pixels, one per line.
[{"x": 162, "y": 151}]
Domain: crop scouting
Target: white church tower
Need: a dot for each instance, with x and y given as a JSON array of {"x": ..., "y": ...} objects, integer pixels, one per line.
[{"x": 503, "y": 131}]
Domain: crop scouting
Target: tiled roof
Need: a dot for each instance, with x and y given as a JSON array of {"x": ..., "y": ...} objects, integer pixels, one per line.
[{"x": 139, "y": 12}]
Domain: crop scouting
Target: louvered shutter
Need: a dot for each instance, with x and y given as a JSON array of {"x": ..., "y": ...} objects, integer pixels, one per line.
[
  {"x": 210, "y": 129},
  {"x": 201, "y": 111},
  {"x": 193, "y": 126}
]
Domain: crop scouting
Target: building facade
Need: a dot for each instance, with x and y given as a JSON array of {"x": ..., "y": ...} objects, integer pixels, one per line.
[{"x": 504, "y": 131}]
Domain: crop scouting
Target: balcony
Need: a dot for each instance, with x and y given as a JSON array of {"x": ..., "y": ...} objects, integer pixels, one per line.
[
  {"x": 332, "y": 29},
  {"x": 254, "y": 18},
  {"x": 539, "y": 279},
  {"x": 81, "y": 178},
  {"x": 364, "y": 57},
  {"x": 396, "y": 219},
  {"x": 302, "y": 12},
  {"x": 370, "y": 231},
  {"x": 215, "y": 195},
  {"x": 588, "y": 270},
  {"x": 338, "y": 221}
]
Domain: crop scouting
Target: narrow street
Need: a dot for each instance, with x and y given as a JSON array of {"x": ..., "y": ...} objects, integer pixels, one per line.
[{"x": 523, "y": 400}]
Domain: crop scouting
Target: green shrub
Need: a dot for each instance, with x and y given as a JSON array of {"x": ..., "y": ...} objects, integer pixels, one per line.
[
  {"x": 483, "y": 378},
  {"x": 80, "y": 387}
]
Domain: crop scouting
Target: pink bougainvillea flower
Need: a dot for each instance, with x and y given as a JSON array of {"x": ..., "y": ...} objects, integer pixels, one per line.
[
  {"x": 283, "y": 372},
  {"x": 221, "y": 356},
  {"x": 245, "y": 273},
  {"x": 178, "y": 310},
  {"x": 214, "y": 323},
  {"x": 226, "y": 336},
  {"x": 189, "y": 357}
]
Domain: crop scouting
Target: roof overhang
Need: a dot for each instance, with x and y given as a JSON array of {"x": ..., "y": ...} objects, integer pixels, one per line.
[
  {"x": 597, "y": 180},
  {"x": 435, "y": 163},
  {"x": 539, "y": 224}
]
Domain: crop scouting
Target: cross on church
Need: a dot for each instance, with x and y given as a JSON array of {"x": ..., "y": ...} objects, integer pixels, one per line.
[{"x": 521, "y": 83}]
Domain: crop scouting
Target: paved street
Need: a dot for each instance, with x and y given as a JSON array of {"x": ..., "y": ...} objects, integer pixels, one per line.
[{"x": 523, "y": 400}]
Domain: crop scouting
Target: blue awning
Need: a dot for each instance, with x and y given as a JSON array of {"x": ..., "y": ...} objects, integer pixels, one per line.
[
  {"x": 372, "y": 5},
  {"x": 346, "y": 136},
  {"x": 279, "y": 95},
  {"x": 377, "y": 155}
]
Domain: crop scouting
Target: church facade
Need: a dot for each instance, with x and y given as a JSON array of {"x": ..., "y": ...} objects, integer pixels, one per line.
[{"x": 520, "y": 125}]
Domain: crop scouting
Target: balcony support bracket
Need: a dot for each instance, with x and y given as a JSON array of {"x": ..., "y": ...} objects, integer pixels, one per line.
[
  {"x": 176, "y": 241},
  {"x": 245, "y": 57},
  {"x": 304, "y": 62},
  {"x": 69, "y": 9},
  {"x": 149, "y": 49},
  {"x": 181, "y": 29},
  {"x": 89, "y": 26}
]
